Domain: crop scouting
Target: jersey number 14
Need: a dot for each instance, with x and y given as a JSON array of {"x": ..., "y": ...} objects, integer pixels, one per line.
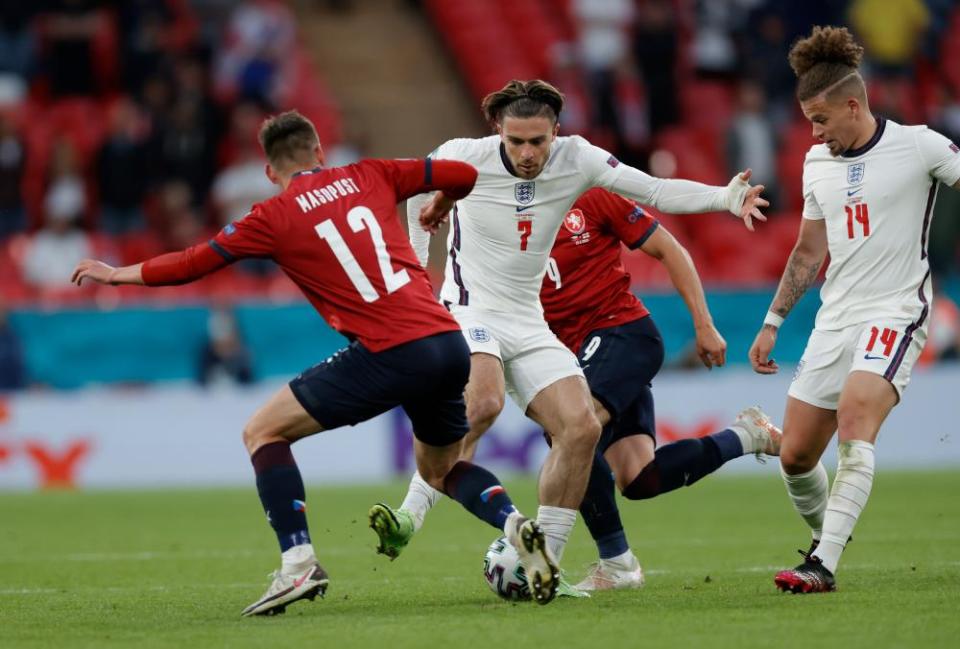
[
  {"x": 361, "y": 218},
  {"x": 857, "y": 213}
]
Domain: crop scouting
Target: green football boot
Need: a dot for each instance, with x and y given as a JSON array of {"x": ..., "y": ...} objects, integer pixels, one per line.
[
  {"x": 566, "y": 589},
  {"x": 394, "y": 528}
]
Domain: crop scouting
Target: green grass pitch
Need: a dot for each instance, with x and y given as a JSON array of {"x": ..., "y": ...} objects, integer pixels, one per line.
[{"x": 174, "y": 569}]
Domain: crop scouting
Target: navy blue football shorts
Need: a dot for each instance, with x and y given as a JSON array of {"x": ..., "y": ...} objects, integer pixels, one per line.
[
  {"x": 620, "y": 363},
  {"x": 425, "y": 376}
]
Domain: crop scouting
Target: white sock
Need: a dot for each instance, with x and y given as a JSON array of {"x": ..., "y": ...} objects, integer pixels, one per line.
[
  {"x": 625, "y": 561},
  {"x": 808, "y": 493},
  {"x": 556, "y": 523},
  {"x": 297, "y": 558},
  {"x": 421, "y": 497},
  {"x": 851, "y": 489}
]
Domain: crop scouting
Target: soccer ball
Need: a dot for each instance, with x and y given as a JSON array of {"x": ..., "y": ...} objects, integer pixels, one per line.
[{"x": 504, "y": 574}]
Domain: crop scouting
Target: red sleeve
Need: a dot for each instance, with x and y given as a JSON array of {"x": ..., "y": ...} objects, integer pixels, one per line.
[
  {"x": 251, "y": 236},
  {"x": 181, "y": 267},
  {"x": 411, "y": 177},
  {"x": 625, "y": 219}
]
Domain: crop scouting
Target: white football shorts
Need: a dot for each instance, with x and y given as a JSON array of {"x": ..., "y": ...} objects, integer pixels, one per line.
[
  {"x": 887, "y": 348},
  {"x": 530, "y": 352}
]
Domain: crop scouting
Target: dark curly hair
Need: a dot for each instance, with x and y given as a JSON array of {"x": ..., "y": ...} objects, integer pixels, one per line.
[
  {"x": 523, "y": 99},
  {"x": 824, "y": 58}
]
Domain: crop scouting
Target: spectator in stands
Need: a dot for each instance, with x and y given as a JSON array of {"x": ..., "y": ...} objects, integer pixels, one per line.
[
  {"x": 186, "y": 148},
  {"x": 70, "y": 27},
  {"x": 123, "y": 169},
  {"x": 12, "y": 373},
  {"x": 604, "y": 37},
  {"x": 238, "y": 186},
  {"x": 18, "y": 46},
  {"x": 192, "y": 83},
  {"x": 714, "y": 41},
  {"x": 224, "y": 358},
  {"x": 12, "y": 158},
  {"x": 656, "y": 51},
  {"x": 56, "y": 249},
  {"x": 891, "y": 32},
  {"x": 260, "y": 38},
  {"x": 143, "y": 41},
  {"x": 751, "y": 140},
  {"x": 765, "y": 59}
]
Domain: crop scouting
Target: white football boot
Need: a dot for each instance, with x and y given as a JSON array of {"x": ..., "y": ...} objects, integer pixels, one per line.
[
  {"x": 608, "y": 574},
  {"x": 757, "y": 433},
  {"x": 288, "y": 587}
]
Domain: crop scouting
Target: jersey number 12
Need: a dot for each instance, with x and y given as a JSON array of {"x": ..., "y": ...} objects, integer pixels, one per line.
[{"x": 361, "y": 218}]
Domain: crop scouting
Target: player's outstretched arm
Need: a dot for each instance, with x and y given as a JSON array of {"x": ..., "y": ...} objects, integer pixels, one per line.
[
  {"x": 679, "y": 196},
  {"x": 102, "y": 273},
  {"x": 801, "y": 272},
  {"x": 171, "y": 269},
  {"x": 661, "y": 245}
]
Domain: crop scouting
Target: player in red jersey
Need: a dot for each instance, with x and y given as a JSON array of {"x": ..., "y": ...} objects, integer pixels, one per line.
[
  {"x": 336, "y": 234},
  {"x": 588, "y": 303}
]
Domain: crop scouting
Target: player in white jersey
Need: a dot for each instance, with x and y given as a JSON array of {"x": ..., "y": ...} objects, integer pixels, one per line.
[
  {"x": 500, "y": 239},
  {"x": 869, "y": 191}
]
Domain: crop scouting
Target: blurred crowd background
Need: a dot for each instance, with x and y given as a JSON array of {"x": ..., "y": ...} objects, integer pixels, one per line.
[{"x": 128, "y": 128}]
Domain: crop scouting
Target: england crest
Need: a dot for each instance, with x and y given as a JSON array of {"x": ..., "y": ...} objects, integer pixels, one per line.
[
  {"x": 479, "y": 334},
  {"x": 855, "y": 173},
  {"x": 524, "y": 192}
]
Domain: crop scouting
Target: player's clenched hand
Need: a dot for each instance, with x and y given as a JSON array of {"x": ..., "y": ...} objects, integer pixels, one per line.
[
  {"x": 760, "y": 351},
  {"x": 752, "y": 202},
  {"x": 92, "y": 269},
  {"x": 435, "y": 213},
  {"x": 711, "y": 347}
]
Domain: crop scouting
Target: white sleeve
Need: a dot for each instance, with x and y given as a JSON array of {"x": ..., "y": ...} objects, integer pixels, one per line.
[
  {"x": 811, "y": 209},
  {"x": 419, "y": 238},
  {"x": 940, "y": 156},
  {"x": 672, "y": 195}
]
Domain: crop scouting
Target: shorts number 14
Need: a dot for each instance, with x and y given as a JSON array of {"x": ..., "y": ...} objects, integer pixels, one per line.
[{"x": 887, "y": 338}]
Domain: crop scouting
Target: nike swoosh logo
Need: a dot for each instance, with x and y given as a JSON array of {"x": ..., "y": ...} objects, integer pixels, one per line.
[
  {"x": 874, "y": 358},
  {"x": 849, "y": 193},
  {"x": 521, "y": 208},
  {"x": 302, "y": 578}
]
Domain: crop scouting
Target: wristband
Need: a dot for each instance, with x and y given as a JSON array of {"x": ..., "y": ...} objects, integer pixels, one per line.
[{"x": 773, "y": 319}]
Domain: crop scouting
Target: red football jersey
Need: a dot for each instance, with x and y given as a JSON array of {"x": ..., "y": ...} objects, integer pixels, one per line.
[
  {"x": 586, "y": 286},
  {"x": 335, "y": 232}
]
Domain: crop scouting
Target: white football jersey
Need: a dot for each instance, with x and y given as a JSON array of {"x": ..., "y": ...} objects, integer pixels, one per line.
[
  {"x": 501, "y": 234},
  {"x": 878, "y": 201}
]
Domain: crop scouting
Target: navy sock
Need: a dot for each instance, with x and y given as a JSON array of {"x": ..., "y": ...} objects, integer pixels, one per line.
[
  {"x": 281, "y": 493},
  {"x": 682, "y": 463},
  {"x": 479, "y": 492},
  {"x": 600, "y": 513}
]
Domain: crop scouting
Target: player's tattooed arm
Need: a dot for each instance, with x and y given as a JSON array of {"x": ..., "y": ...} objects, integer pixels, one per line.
[{"x": 803, "y": 266}]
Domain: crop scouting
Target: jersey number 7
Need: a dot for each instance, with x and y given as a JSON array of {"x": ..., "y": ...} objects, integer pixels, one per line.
[{"x": 361, "y": 218}]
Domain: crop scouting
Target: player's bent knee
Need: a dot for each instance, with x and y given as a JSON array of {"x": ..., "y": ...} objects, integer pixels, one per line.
[
  {"x": 483, "y": 411},
  {"x": 795, "y": 462}
]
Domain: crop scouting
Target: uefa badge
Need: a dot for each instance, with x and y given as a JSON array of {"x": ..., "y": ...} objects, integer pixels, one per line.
[
  {"x": 479, "y": 334},
  {"x": 575, "y": 222},
  {"x": 855, "y": 173},
  {"x": 524, "y": 192}
]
